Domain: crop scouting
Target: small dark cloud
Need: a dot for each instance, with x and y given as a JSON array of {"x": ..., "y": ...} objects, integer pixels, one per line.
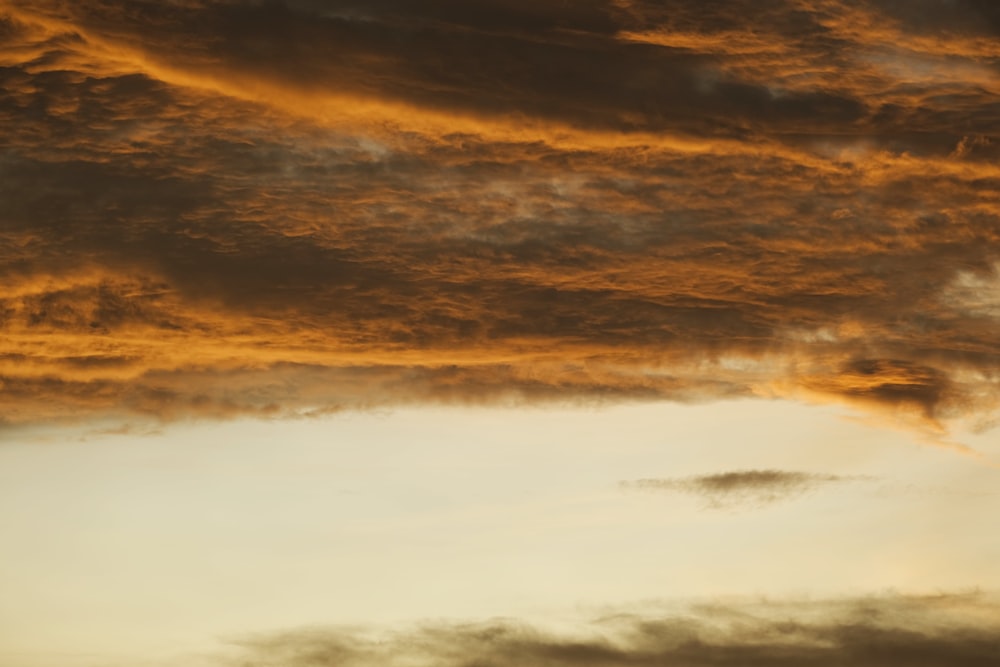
[
  {"x": 937, "y": 631},
  {"x": 741, "y": 488}
]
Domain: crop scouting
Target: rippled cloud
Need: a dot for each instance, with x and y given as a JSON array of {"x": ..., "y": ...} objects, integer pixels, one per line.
[{"x": 216, "y": 208}]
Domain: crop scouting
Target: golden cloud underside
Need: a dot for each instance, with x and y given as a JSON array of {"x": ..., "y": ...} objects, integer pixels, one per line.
[{"x": 219, "y": 208}]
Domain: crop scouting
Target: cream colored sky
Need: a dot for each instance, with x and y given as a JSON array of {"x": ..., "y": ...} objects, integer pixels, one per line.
[{"x": 147, "y": 547}]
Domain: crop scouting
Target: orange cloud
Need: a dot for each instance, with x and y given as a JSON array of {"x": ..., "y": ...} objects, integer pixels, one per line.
[{"x": 217, "y": 208}]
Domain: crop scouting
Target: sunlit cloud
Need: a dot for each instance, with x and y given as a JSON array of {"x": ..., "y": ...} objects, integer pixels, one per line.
[{"x": 223, "y": 208}]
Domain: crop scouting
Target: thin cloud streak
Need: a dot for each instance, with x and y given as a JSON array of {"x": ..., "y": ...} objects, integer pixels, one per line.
[
  {"x": 741, "y": 488},
  {"x": 212, "y": 209}
]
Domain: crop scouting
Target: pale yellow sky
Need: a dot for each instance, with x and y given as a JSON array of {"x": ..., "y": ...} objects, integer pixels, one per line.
[{"x": 147, "y": 546}]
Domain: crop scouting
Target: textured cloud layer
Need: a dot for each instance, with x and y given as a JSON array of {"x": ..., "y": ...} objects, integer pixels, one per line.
[
  {"x": 212, "y": 208},
  {"x": 877, "y": 632}
]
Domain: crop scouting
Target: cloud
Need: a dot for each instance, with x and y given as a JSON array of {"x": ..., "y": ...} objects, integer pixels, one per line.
[
  {"x": 870, "y": 632},
  {"x": 741, "y": 487},
  {"x": 214, "y": 208}
]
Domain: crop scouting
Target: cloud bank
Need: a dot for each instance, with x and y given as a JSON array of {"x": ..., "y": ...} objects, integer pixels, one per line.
[
  {"x": 212, "y": 208},
  {"x": 873, "y": 632}
]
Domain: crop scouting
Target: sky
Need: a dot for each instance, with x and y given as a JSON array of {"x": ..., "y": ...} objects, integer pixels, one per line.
[{"x": 499, "y": 333}]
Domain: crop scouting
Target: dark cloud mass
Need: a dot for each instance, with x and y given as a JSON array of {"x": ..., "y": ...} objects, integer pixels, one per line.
[
  {"x": 213, "y": 208},
  {"x": 741, "y": 487},
  {"x": 876, "y": 632}
]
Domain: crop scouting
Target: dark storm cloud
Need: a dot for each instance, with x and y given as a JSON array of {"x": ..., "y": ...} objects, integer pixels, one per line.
[
  {"x": 341, "y": 204},
  {"x": 741, "y": 487},
  {"x": 873, "y": 632}
]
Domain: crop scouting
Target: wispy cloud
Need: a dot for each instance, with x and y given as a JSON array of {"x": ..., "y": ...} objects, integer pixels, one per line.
[
  {"x": 214, "y": 208},
  {"x": 871, "y": 632},
  {"x": 741, "y": 487}
]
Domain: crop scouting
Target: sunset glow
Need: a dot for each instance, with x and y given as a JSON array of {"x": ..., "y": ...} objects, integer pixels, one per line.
[{"x": 499, "y": 332}]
